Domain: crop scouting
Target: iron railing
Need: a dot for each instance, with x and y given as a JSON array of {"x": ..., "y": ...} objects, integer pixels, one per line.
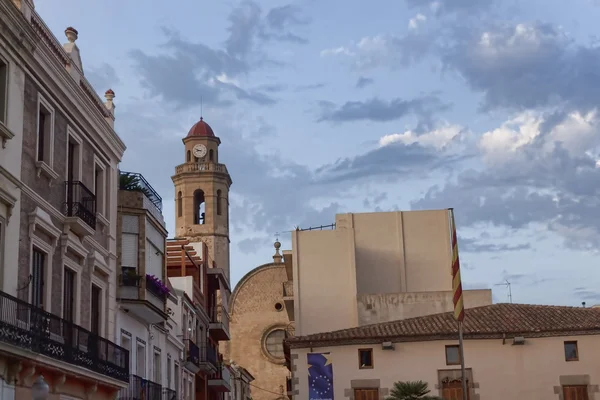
[
  {"x": 136, "y": 182},
  {"x": 317, "y": 228},
  {"x": 209, "y": 354},
  {"x": 153, "y": 288},
  {"x": 169, "y": 394},
  {"x": 219, "y": 314},
  {"x": 192, "y": 352},
  {"x": 141, "y": 389},
  {"x": 129, "y": 277},
  {"x": 28, "y": 327},
  {"x": 81, "y": 203}
]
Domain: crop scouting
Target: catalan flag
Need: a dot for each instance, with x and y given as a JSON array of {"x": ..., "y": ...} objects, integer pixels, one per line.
[{"x": 459, "y": 308}]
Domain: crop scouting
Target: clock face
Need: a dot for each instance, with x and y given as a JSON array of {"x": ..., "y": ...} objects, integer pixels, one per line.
[{"x": 199, "y": 151}]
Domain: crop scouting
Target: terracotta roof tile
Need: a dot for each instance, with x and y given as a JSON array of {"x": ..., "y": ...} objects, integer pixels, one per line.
[{"x": 481, "y": 322}]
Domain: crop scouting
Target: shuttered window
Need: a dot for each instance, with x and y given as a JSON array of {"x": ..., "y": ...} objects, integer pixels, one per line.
[{"x": 129, "y": 250}]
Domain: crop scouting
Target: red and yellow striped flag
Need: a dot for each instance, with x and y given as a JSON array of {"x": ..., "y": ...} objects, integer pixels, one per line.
[{"x": 459, "y": 308}]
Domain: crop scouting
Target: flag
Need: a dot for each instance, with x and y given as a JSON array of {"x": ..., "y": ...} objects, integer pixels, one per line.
[
  {"x": 457, "y": 298},
  {"x": 320, "y": 376}
]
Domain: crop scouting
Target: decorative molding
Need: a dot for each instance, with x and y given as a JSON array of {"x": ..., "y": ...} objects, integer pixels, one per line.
[
  {"x": 39, "y": 218},
  {"x": 126, "y": 333},
  {"x": 58, "y": 383},
  {"x": 5, "y": 134},
  {"x": 157, "y": 349},
  {"x": 142, "y": 341},
  {"x": 9, "y": 200},
  {"x": 42, "y": 167},
  {"x": 91, "y": 390},
  {"x": 68, "y": 242},
  {"x": 28, "y": 375}
]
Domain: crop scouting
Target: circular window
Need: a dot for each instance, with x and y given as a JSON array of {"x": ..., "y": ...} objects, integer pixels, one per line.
[
  {"x": 273, "y": 344},
  {"x": 278, "y": 306}
]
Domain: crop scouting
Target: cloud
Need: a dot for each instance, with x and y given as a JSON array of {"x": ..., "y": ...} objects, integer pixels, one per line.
[
  {"x": 379, "y": 110},
  {"x": 472, "y": 245},
  {"x": 587, "y": 295},
  {"x": 186, "y": 73},
  {"x": 364, "y": 82},
  {"x": 303, "y": 88},
  {"x": 102, "y": 77},
  {"x": 441, "y": 7},
  {"x": 537, "y": 168},
  {"x": 526, "y": 66}
]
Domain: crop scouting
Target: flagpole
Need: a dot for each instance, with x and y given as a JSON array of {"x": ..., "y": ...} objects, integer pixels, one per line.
[
  {"x": 458, "y": 303},
  {"x": 462, "y": 361}
]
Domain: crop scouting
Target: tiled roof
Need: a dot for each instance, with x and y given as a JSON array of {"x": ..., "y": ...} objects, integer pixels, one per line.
[{"x": 491, "y": 321}]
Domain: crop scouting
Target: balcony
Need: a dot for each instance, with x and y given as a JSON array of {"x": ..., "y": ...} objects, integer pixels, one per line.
[
  {"x": 192, "y": 356},
  {"x": 209, "y": 360},
  {"x": 31, "y": 328},
  {"x": 289, "y": 385},
  {"x": 169, "y": 394},
  {"x": 136, "y": 192},
  {"x": 219, "y": 323},
  {"x": 199, "y": 166},
  {"x": 143, "y": 296},
  {"x": 80, "y": 208},
  {"x": 221, "y": 380},
  {"x": 140, "y": 388}
]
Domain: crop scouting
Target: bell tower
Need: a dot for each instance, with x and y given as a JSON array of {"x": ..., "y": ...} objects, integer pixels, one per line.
[{"x": 202, "y": 194}]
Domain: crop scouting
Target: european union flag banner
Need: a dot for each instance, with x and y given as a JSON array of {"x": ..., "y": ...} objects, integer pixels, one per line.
[{"x": 320, "y": 376}]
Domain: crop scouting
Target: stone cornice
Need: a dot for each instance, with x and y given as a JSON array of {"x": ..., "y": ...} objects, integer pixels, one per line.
[{"x": 15, "y": 27}]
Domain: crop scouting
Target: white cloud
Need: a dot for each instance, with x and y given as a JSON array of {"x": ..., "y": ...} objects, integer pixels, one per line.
[
  {"x": 416, "y": 21},
  {"x": 438, "y": 138},
  {"x": 337, "y": 51}
]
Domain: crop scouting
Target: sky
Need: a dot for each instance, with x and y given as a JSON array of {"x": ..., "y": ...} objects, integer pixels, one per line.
[{"x": 330, "y": 106}]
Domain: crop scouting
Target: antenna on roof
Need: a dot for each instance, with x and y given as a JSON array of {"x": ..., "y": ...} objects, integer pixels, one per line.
[
  {"x": 506, "y": 284},
  {"x": 201, "y": 112}
]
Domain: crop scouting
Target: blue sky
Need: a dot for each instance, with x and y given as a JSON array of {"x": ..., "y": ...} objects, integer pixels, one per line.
[{"x": 331, "y": 106}]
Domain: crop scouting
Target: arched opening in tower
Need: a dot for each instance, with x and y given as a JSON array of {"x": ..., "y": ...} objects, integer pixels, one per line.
[{"x": 199, "y": 207}]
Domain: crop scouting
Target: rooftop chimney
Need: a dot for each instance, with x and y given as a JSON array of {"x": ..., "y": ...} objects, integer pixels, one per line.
[
  {"x": 109, "y": 96},
  {"x": 75, "y": 68}
]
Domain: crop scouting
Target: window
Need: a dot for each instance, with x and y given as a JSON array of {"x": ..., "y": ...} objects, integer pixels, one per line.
[
  {"x": 188, "y": 158},
  {"x": 274, "y": 343},
  {"x": 219, "y": 201},
  {"x": 177, "y": 379},
  {"x": 126, "y": 344},
  {"x": 365, "y": 358},
  {"x": 45, "y": 132},
  {"x": 199, "y": 215},
  {"x": 69, "y": 295},
  {"x": 140, "y": 354},
  {"x": 211, "y": 155},
  {"x": 96, "y": 309},
  {"x": 571, "y": 351},
  {"x": 169, "y": 372},
  {"x": 2, "y": 244},
  {"x": 157, "y": 360},
  {"x": 452, "y": 355},
  {"x": 38, "y": 274},
  {"x": 179, "y": 204},
  {"x": 99, "y": 186},
  {"x": 3, "y": 91},
  {"x": 74, "y": 159}
]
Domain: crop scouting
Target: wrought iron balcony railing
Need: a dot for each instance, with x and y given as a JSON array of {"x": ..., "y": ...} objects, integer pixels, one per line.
[
  {"x": 192, "y": 352},
  {"x": 209, "y": 354},
  {"x": 81, "y": 203},
  {"x": 219, "y": 314},
  {"x": 28, "y": 327},
  {"x": 135, "y": 182},
  {"x": 129, "y": 277},
  {"x": 140, "y": 388}
]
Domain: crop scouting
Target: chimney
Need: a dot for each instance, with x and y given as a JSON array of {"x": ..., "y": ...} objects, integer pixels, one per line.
[
  {"x": 75, "y": 68},
  {"x": 26, "y": 7},
  {"x": 109, "y": 96}
]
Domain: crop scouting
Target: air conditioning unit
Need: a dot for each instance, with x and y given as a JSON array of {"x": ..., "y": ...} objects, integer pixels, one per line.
[
  {"x": 387, "y": 346},
  {"x": 518, "y": 340}
]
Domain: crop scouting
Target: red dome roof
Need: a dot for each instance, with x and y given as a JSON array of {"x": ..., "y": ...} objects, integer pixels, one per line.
[{"x": 201, "y": 129}]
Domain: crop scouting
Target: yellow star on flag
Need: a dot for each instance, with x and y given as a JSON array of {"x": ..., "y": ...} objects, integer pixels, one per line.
[{"x": 328, "y": 360}]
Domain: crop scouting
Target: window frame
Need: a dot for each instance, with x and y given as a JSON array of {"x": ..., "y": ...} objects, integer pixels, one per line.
[
  {"x": 48, "y": 250},
  {"x": 140, "y": 344},
  {"x": 95, "y": 281},
  {"x": 360, "y": 365},
  {"x": 157, "y": 368},
  {"x": 78, "y": 271},
  {"x": 3, "y": 223},
  {"x": 100, "y": 199},
  {"x": 571, "y": 342},
  {"x": 127, "y": 335},
  {"x": 72, "y": 136},
  {"x": 452, "y": 346},
  {"x": 4, "y": 64},
  {"x": 49, "y": 140}
]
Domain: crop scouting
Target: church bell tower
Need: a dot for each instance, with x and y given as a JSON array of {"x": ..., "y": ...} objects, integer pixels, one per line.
[{"x": 202, "y": 194}]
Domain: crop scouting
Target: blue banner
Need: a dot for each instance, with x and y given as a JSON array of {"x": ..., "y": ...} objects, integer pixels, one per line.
[{"x": 320, "y": 376}]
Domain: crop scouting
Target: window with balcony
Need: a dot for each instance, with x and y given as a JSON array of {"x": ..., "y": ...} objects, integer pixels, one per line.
[
  {"x": 96, "y": 310},
  {"x": 126, "y": 344},
  {"x": 38, "y": 278},
  {"x": 69, "y": 295},
  {"x": 99, "y": 186}
]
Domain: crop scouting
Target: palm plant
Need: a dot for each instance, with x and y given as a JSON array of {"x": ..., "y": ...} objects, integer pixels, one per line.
[
  {"x": 417, "y": 390},
  {"x": 132, "y": 183}
]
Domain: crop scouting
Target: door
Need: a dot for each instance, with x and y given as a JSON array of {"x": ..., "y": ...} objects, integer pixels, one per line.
[
  {"x": 96, "y": 304},
  {"x": 578, "y": 392},
  {"x": 453, "y": 391},
  {"x": 366, "y": 394}
]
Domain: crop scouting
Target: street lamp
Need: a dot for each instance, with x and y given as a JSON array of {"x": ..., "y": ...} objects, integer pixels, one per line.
[{"x": 40, "y": 389}]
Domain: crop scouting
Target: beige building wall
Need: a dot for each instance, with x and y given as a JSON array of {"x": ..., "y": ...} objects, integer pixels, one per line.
[
  {"x": 374, "y": 266},
  {"x": 533, "y": 371}
]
